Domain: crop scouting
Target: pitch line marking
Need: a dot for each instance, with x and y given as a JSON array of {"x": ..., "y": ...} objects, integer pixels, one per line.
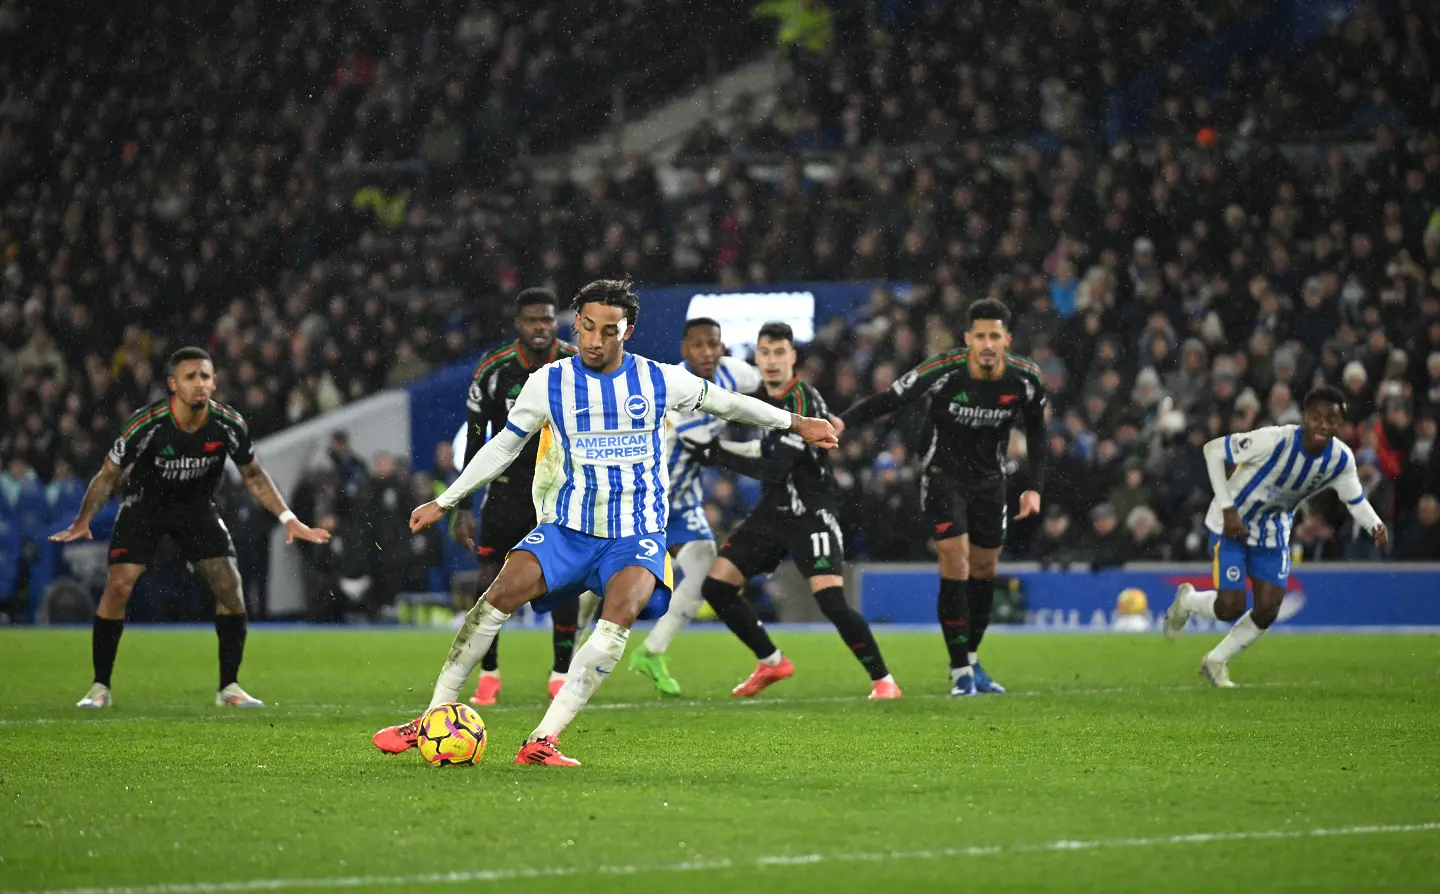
[
  {"x": 305, "y": 709},
  {"x": 707, "y": 865}
]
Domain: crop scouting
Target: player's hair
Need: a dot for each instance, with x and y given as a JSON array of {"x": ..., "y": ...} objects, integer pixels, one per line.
[
  {"x": 1325, "y": 394},
  {"x": 536, "y": 296},
  {"x": 612, "y": 293},
  {"x": 777, "y": 331},
  {"x": 990, "y": 309},
  {"x": 187, "y": 353},
  {"x": 700, "y": 321}
]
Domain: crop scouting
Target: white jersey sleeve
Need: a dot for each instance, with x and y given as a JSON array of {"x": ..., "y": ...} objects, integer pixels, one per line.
[
  {"x": 1348, "y": 488},
  {"x": 688, "y": 392},
  {"x": 529, "y": 414},
  {"x": 1254, "y": 446}
]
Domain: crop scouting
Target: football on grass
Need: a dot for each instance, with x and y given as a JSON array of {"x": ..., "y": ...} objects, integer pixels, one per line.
[{"x": 451, "y": 735}]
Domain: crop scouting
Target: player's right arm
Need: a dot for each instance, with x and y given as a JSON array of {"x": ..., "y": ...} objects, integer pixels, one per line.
[
  {"x": 479, "y": 410},
  {"x": 531, "y": 411},
  {"x": 100, "y": 489},
  {"x": 907, "y": 389},
  {"x": 689, "y": 392},
  {"x": 1236, "y": 450}
]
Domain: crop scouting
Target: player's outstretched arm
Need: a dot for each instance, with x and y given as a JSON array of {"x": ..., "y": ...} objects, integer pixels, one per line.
[
  {"x": 530, "y": 412},
  {"x": 910, "y": 387},
  {"x": 100, "y": 489},
  {"x": 1349, "y": 489},
  {"x": 749, "y": 411},
  {"x": 262, "y": 487}
]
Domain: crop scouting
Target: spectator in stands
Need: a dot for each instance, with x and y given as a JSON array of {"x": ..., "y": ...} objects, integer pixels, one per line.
[
  {"x": 1107, "y": 544},
  {"x": 1421, "y": 541}
]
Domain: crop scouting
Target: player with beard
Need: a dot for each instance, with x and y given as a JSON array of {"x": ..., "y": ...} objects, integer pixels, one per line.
[
  {"x": 174, "y": 451},
  {"x": 508, "y": 513},
  {"x": 976, "y": 394}
]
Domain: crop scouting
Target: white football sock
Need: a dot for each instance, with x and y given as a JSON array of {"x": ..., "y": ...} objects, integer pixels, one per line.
[
  {"x": 685, "y": 600},
  {"x": 972, "y": 657},
  {"x": 471, "y": 643},
  {"x": 592, "y": 664},
  {"x": 773, "y": 659},
  {"x": 1237, "y": 640},
  {"x": 957, "y": 672},
  {"x": 1200, "y": 602}
]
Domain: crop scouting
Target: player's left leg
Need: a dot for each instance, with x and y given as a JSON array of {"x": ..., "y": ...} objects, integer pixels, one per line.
[
  {"x": 630, "y": 568},
  {"x": 1269, "y": 593},
  {"x": 693, "y": 548},
  {"x": 988, "y": 521},
  {"x": 223, "y": 577},
  {"x": 205, "y": 542},
  {"x": 818, "y": 548}
]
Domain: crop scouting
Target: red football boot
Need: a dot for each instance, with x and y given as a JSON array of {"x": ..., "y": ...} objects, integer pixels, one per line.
[
  {"x": 764, "y": 675},
  {"x": 544, "y": 751},
  {"x": 487, "y": 691},
  {"x": 395, "y": 739}
]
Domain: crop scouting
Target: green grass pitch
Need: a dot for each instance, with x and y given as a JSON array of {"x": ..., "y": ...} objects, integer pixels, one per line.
[{"x": 1110, "y": 767}]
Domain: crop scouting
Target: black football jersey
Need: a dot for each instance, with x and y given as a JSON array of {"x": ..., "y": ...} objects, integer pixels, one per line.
[
  {"x": 795, "y": 477},
  {"x": 168, "y": 466},
  {"x": 969, "y": 419},
  {"x": 498, "y": 378}
]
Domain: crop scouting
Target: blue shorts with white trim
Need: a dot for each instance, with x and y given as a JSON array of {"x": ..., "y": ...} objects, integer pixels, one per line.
[
  {"x": 574, "y": 562},
  {"x": 1232, "y": 561}
]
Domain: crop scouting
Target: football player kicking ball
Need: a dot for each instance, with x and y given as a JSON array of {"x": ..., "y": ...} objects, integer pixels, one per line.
[
  {"x": 1275, "y": 470},
  {"x": 175, "y": 451},
  {"x": 604, "y": 527},
  {"x": 692, "y": 543}
]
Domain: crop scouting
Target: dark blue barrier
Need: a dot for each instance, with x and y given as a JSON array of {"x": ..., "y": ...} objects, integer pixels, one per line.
[{"x": 1346, "y": 594}]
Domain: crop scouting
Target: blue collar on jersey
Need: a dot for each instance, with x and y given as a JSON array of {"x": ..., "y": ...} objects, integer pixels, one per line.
[{"x": 625, "y": 363}]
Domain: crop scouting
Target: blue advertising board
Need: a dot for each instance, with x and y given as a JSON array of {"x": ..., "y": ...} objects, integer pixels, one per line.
[{"x": 1350, "y": 594}]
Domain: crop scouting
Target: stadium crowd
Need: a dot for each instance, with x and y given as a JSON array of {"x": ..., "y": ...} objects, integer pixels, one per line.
[{"x": 1171, "y": 288}]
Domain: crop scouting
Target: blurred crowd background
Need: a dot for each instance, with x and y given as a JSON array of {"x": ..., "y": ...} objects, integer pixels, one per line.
[{"x": 343, "y": 200}]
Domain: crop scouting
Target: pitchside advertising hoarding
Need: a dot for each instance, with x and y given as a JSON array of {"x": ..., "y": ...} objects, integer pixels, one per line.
[{"x": 1342, "y": 594}]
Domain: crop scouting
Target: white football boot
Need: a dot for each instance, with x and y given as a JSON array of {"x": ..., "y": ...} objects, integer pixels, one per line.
[
  {"x": 235, "y": 697},
  {"x": 1177, "y": 615},
  {"x": 97, "y": 697},
  {"x": 1217, "y": 672}
]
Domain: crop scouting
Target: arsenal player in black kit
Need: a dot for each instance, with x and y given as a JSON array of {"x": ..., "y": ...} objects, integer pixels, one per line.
[
  {"x": 175, "y": 452},
  {"x": 976, "y": 395},
  {"x": 508, "y": 513},
  {"x": 795, "y": 516}
]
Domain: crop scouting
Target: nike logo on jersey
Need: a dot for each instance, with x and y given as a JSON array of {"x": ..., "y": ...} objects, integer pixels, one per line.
[
  {"x": 212, "y": 446},
  {"x": 1008, "y": 399}
]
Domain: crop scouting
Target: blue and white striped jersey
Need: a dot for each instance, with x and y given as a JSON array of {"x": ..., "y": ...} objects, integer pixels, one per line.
[
  {"x": 731, "y": 374},
  {"x": 1274, "y": 475},
  {"x": 610, "y": 475}
]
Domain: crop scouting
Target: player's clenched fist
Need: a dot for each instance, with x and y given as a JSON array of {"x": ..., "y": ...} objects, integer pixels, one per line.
[{"x": 425, "y": 516}]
